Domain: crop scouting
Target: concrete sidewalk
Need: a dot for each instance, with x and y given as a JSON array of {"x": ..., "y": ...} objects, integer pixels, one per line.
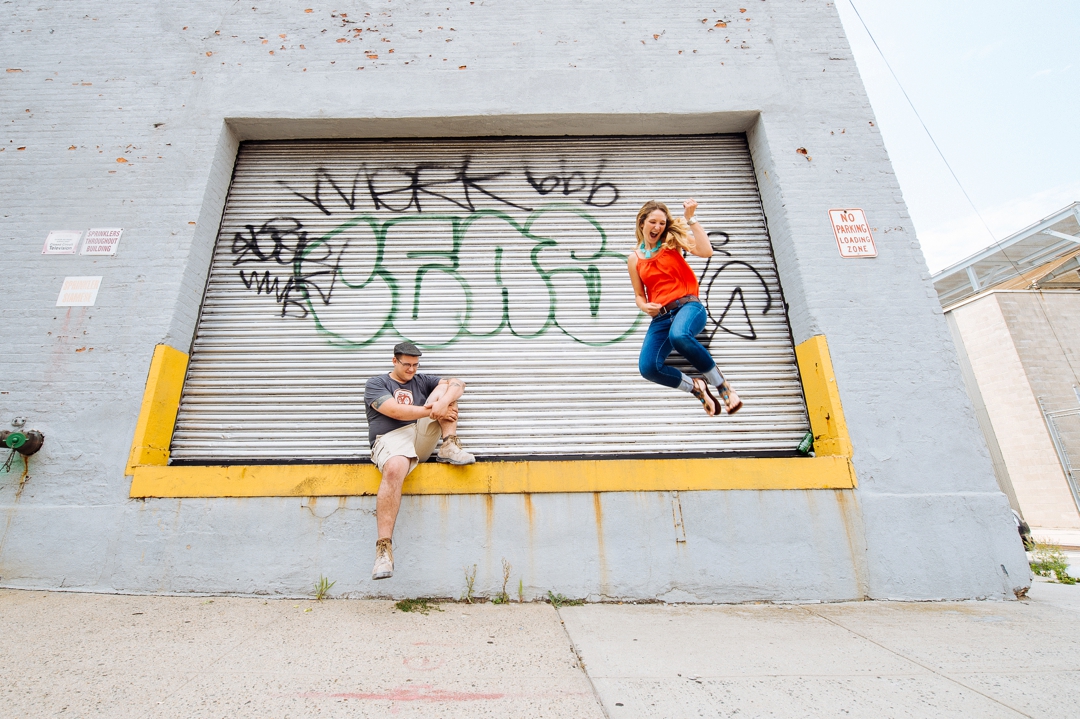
[{"x": 85, "y": 655}]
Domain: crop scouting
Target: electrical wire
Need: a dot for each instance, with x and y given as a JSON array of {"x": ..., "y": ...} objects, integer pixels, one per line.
[
  {"x": 926, "y": 129},
  {"x": 1016, "y": 267}
]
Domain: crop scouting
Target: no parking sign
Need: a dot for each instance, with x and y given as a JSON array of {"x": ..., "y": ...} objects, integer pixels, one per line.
[{"x": 853, "y": 235}]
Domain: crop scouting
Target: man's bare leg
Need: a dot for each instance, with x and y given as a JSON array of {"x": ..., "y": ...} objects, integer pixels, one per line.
[
  {"x": 448, "y": 427},
  {"x": 389, "y": 499},
  {"x": 451, "y": 450},
  {"x": 386, "y": 510}
]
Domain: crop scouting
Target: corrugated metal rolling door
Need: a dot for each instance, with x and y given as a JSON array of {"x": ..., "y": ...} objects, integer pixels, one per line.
[{"x": 505, "y": 260}]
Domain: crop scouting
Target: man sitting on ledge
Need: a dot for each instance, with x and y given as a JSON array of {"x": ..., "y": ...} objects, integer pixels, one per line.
[{"x": 407, "y": 412}]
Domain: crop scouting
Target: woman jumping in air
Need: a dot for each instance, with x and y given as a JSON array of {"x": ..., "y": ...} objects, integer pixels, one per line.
[{"x": 666, "y": 289}]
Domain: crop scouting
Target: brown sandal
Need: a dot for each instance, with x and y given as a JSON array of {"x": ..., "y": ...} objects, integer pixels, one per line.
[
  {"x": 731, "y": 400},
  {"x": 701, "y": 391}
]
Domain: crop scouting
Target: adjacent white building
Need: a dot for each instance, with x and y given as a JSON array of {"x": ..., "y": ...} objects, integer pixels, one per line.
[{"x": 1013, "y": 309}]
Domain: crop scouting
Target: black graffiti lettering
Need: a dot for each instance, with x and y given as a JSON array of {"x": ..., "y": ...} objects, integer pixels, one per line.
[
  {"x": 413, "y": 188},
  {"x": 544, "y": 185},
  {"x": 601, "y": 191},
  {"x": 264, "y": 285},
  {"x": 283, "y": 241},
  {"x": 268, "y": 284},
  {"x": 736, "y": 296},
  {"x": 718, "y": 245},
  {"x": 425, "y": 181},
  {"x": 322, "y": 175},
  {"x": 600, "y": 194},
  {"x": 473, "y": 182},
  {"x": 280, "y": 240}
]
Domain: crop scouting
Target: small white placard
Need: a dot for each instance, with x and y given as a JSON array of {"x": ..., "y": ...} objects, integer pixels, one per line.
[
  {"x": 852, "y": 232},
  {"x": 101, "y": 241},
  {"x": 79, "y": 292},
  {"x": 62, "y": 242}
]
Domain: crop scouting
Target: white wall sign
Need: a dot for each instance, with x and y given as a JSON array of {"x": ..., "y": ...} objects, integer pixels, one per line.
[
  {"x": 62, "y": 242},
  {"x": 852, "y": 232},
  {"x": 79, "y": 292},
  {"x": 102, "y": 241}
]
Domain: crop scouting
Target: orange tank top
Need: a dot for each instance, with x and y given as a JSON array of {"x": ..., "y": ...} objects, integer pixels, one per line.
[{"x": 666, "y": 277}]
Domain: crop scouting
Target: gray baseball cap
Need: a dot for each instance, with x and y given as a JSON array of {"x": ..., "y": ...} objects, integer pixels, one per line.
[{"x": 407, "y": 348}]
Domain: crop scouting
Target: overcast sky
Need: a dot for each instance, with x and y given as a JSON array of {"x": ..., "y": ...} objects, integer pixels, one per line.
[{"x": 998, "y": 85}]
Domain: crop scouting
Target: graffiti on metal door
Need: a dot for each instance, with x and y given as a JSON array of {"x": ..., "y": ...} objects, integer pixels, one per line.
[{"x": 400, "y": 263}]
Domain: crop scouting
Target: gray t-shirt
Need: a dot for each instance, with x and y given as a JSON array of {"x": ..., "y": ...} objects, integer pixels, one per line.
[{"x": 414, "y": 392}]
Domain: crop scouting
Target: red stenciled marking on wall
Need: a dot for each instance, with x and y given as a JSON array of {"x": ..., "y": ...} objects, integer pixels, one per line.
[{"x": 420, "y": 693}]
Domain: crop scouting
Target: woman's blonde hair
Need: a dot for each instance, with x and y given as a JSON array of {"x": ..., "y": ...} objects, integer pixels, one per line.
[{"x": 677, "y": 233}]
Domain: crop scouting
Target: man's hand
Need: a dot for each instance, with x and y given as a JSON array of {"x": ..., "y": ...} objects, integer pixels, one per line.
[
  {"x": 653, "y": 308},
  {"x": 441, "y": 410},
  {"x": 442, "y": 403}
]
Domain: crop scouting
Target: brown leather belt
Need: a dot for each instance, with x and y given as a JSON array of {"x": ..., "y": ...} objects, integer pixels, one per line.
[{"x": 676, "y": 304}]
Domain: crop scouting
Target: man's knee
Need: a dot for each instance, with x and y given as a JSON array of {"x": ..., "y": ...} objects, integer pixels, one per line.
[{"x": 395, "y": 468}]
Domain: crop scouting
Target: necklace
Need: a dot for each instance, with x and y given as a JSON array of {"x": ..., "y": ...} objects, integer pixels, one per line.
[{"x": 648, "y": 254}]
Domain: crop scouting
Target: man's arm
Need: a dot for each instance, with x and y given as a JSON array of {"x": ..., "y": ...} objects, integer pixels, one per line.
[
  {"x": 445, "y": 394},
  {"x": 389, "y": 406}
]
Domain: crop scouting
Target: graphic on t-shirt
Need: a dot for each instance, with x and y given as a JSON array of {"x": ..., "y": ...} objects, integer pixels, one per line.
[{"x": 403, "y": 396}]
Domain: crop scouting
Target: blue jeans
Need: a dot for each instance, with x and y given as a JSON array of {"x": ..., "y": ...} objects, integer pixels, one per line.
[{"x": 676, "y": 330}]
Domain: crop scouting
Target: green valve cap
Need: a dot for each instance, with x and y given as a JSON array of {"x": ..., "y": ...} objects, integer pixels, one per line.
[
  {"x": 15, "y": 440},
  {"x": 806, "y": 444}
]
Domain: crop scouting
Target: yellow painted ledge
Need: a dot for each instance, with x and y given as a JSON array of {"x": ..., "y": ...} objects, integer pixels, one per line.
[
  {"x": 619, "y": 475},
  {"x": 831, "y": 469}
]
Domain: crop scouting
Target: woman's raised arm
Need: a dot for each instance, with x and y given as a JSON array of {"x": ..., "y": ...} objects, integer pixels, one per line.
[{"x": 702, "y": 246}]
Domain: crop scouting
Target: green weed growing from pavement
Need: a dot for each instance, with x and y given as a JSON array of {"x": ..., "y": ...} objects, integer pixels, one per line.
[
  {"x": 1050, "y": 562},
  {"x": 420, "y": 604},
  {"x": 521, "y": 591},
  {"x": 322, "y": 588},
  {"x": 470, "y": 581},
  {"x": 558, "y": 600},
  {"x": 502, "y": 597}
]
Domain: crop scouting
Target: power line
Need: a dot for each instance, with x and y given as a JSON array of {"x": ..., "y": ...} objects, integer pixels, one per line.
[
  {"x": 1016, "y": 267},
  {"x": 924, "y": 127}
]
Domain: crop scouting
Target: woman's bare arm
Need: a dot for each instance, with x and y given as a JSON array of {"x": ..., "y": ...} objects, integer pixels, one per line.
[
  {"x": 649, "y": 308},
  {"x": 702, "y": 246}
]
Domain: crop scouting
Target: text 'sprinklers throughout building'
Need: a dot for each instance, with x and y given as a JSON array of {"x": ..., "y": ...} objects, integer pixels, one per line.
[{"x": 219, "y": 222}]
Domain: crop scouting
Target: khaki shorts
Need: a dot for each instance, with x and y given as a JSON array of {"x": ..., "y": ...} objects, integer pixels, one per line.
[{"x": 415, "y": 441}]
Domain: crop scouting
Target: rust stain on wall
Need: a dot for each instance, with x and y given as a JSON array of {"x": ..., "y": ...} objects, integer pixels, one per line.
[
  {"x": 850, "y": 514},
  {"x": 601, "y": 553}
]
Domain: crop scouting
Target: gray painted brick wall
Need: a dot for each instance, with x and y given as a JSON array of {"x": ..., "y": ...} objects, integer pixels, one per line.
[{"x": 171, "y": 89}]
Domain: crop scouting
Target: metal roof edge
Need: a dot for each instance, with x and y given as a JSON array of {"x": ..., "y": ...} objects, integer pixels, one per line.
[{"x": 1049, "y": 220}]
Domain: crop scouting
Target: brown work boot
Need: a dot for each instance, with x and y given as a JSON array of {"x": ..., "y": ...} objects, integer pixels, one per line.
[
  {"x": 384, "y": 560},
  {"x": 451, "y": 452}
]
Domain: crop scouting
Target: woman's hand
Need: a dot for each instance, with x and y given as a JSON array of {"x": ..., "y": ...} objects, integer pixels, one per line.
[
  {"x": 689, "y": 207},
  {"x": 652, "y": 309}
]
